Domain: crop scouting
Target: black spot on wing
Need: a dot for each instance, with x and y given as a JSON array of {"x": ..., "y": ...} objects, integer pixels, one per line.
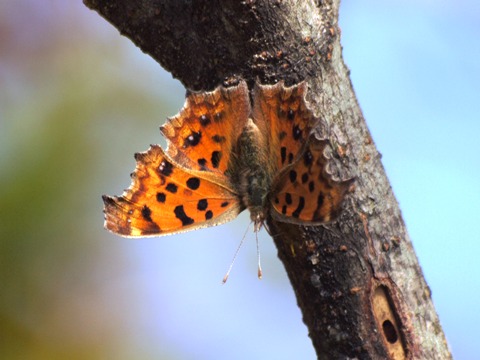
[
  {"x": 316, "y": 214},
  {"x": 202, "y": 205},
  {"x": 299, "y": 209},
  {"x": 216, "y": 157},
  {"x": 165, "y": 168},
  {"x": 288, "y": 198},
  {"x": 307, "y": 158},
  {"x": 193, "y": 139},
  {"x": 193, "y": 183},
  {"x": 204, "y": 120},
  {"x": 284, "y": 209},
  {"x": 208, "y": 215},
  {"x": 283, "y": 154},
  {"x": 290, "y": 115},
  {"x": 304, "y": 178},
  {"x": 311, "y": 186},
  {"x": 180, "y": 214},
  {"x": 147, "y": 213},
  {"x": 161, "y": 197},
  {"x": 171, "y": 188},
  {"x": 225, "y": 203},
  {"x": 296, "y": 133},
  {"x": 202, "y": 162},
  {"x": 292, "y": 175},
  {"x": 290, "y": 158}
]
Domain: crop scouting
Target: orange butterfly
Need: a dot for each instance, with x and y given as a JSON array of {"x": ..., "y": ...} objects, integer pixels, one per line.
[{"x": 224, "y": 156}]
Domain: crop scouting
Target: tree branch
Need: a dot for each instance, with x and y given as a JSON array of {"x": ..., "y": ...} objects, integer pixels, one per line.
[{"x": 357, "y": 280}]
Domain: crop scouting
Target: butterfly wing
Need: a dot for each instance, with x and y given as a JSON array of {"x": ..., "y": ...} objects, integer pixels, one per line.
[
  {"x": 282, "y": 115},
  {"x": 303, "y": 193},
  {"x": 185, "y": 187},
  {"x": 203, "y": 134},
  {"x": 165, "y": 198}
]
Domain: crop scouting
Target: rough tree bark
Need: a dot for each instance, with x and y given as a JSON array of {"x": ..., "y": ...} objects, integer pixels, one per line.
[{"x": 357, "y": 280}]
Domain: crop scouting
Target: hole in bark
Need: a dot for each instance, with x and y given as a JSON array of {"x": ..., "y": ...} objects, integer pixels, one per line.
[{"x": 390, "y": 332}]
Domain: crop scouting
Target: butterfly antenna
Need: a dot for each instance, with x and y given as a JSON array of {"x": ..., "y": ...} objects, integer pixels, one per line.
[
  {"x": 258, "y": 257},
  {"x": 225, "y": 278}
]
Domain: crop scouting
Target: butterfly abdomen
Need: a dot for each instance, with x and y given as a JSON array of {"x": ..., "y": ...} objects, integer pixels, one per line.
[{"x": 253, "y": 179}]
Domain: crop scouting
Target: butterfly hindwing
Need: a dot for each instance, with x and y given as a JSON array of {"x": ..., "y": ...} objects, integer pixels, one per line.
[
  {"x": 165, "y": 198},
  {"x": 304, "y": 193}
]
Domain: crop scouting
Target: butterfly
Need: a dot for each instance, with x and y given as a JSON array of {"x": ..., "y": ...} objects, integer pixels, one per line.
[{"x": 225, "y": 155}]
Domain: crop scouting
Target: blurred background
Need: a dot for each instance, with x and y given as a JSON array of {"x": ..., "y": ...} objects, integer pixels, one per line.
[{"x": 77, "y": 100}]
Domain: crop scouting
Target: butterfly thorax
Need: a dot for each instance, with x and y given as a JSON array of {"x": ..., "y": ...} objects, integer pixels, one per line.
[{"x": 253, "y": 180}]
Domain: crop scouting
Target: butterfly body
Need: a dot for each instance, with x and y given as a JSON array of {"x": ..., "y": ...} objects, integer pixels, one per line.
[
  {"x": 254, "y": 179},
  {"x": 225, "y": 155}
]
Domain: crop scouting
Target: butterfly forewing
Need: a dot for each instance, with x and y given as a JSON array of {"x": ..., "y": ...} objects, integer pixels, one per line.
[
  {"x": 202, "y": 135},
  {"x": 281, "y": 113},
  {"x": 165, "y": 198}
]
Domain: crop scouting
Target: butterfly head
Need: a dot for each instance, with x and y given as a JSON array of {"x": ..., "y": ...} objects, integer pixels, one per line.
[{"x": 258, "y": 219}]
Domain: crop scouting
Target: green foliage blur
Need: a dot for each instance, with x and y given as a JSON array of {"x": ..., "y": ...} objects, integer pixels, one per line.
[{"x": 63, "y": 94}]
